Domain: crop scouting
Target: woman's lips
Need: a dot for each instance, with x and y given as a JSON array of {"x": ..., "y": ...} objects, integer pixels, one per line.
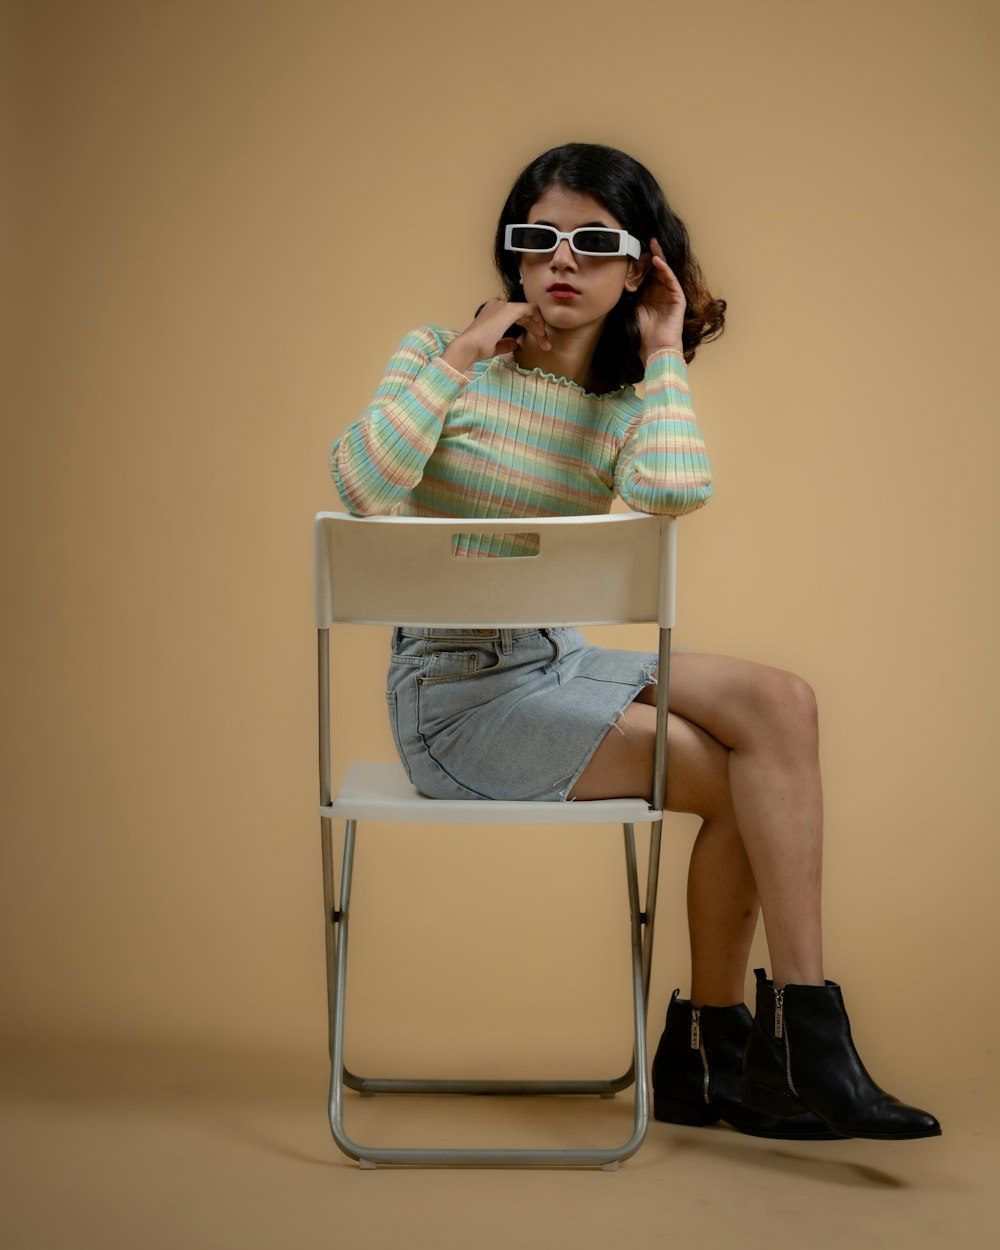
[{"x": 558, "y": 291}]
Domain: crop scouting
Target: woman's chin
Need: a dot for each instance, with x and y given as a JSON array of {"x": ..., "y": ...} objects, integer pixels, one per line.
[{"x": 559, "y": 318}]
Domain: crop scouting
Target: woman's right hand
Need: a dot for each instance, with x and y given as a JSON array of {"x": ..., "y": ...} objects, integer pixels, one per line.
[{"x": 487, "y": 334}]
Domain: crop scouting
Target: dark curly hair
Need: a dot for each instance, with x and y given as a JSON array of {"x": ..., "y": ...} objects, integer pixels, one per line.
[{"x": 630, "y": 192}]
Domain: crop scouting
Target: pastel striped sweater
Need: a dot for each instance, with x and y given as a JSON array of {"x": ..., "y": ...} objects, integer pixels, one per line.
[{"x": 502, "y": 441}]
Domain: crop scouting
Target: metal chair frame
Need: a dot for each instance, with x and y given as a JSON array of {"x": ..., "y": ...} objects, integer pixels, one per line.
[{"x": 610, "y": 569}]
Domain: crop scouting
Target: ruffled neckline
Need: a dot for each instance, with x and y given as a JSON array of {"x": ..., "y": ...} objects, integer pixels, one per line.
[{"x": 509, "y": 362}]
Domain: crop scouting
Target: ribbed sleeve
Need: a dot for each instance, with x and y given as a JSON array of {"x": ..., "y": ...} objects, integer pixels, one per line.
[
  {"x": 662, "y": 467},
  {"x": 381, "y": 457}
]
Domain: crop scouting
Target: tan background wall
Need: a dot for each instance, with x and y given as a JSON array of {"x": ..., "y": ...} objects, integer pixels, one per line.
[{"x": 224, "y": 218}]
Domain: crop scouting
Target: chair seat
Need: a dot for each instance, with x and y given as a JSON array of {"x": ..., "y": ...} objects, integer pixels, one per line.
[{"x": 383, "y": 792}]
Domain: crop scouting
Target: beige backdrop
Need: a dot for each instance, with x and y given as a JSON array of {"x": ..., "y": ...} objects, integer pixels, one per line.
[{"x": 224, "y": 217}]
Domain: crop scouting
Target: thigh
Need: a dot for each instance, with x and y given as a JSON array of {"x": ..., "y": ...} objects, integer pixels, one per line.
[
  {"x": 622, "y": 766},
  {"x": 730, "y": 698}
]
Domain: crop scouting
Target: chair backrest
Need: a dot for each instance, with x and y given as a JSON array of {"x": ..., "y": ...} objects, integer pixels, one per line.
[{"x": 588, "y": 570}]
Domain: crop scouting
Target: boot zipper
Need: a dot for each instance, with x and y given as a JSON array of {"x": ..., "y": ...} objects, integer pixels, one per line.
[
  {"x": 698, "y": 1045},
  {"x": 781, "y": 1032},
  {"x": 788, "y": 1068}
]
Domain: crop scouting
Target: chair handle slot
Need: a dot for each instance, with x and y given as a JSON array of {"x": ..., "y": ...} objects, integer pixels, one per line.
[{"x": 517, "y": 546}]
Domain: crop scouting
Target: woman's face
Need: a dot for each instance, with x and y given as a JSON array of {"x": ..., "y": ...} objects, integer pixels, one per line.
[{"x": 575, "y": 291}]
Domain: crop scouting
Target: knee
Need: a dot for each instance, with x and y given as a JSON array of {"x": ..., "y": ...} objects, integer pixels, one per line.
[{"x": 786, "y": 703}]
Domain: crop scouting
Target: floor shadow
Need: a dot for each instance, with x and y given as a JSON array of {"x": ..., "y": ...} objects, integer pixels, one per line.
[{"x": 800, "y": 1160}]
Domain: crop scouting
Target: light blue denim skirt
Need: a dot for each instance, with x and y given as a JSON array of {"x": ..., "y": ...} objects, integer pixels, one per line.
[{"x": 505, "y": 713}]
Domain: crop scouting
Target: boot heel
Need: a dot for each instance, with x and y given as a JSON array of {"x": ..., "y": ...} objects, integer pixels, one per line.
[
  {"x": 772, "y": 1101},
  {"x": 673, "y": 1111}
]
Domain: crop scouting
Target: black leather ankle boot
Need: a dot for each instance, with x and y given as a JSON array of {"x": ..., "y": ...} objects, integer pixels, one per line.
[
  {"x": 800, "y": 1055},
  {"x": 697, "y": 1070}
]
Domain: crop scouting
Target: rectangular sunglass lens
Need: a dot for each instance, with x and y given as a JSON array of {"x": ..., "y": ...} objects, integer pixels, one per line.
[
  {"x": 597, "y": 242},
  {"x": 533, "y": 238}
]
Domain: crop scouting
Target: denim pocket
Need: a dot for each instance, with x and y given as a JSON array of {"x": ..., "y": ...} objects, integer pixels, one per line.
[{"x": 459, "y": 663}]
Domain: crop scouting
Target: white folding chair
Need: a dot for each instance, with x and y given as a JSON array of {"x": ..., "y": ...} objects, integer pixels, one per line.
[{"x": 588, "y": 570}]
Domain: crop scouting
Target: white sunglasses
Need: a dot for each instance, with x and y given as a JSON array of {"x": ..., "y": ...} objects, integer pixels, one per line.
[{"x": 585, "y": 241}]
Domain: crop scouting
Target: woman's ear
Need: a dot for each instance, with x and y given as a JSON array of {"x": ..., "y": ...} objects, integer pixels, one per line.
[{"x": 636, "y": 272}]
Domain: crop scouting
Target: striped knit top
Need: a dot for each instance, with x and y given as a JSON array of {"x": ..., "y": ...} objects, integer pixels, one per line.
[{"x": 502, "y": 441}]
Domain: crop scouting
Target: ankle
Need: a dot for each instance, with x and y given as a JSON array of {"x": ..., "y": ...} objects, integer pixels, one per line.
[
  {"x": 792, "y": 972},
  {"x": 716, "y": 991}
]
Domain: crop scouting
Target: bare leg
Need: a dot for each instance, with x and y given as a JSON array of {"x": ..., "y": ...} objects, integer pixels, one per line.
[
  {"x": 763, "y": 724},
  {"x": 722, "y": 894},
  {"x": 766, "y": 720},
  {"x": 722, "y": 907}
]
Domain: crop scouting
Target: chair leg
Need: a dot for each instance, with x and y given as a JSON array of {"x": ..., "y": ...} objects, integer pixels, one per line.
[
  {"x": 369, "y": 1156},
  {"x": 638, "y": 924},
  {"x": 647, "y": 918},
  {"x": 337, "y": 994},
  {"x": 329, "y": 920},
  {"x": 649, "y": 915}
]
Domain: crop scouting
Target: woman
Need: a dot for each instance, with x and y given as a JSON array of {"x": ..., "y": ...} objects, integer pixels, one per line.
[{"x": 530, "y": 411}]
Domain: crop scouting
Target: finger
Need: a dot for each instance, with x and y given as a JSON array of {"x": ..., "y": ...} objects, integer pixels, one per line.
[
  {"x": 665, "y": 273},
  {"x": 485, "y": 311},
  {"x": 500, "y": 307},
  {"x": 541, "y": 332},
  {"x": 533, "y": 322},
  {"x": 658, "y": 253},
  {"x": 499, "y": 316}
]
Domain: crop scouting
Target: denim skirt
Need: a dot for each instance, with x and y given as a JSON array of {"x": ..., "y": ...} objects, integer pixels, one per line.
[{"x": 505, "y": 713}]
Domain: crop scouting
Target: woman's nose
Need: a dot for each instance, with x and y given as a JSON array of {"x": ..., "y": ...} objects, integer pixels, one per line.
[{"x": 563, "y": 257}]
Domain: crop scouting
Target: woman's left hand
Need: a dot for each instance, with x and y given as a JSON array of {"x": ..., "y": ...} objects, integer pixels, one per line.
[{"x": 661, "y": 310}]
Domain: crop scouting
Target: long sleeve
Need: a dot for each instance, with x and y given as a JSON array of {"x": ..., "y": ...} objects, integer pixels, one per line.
[
  {"x": 662, "y": 467},
  {"x": 380, "y": 459}
]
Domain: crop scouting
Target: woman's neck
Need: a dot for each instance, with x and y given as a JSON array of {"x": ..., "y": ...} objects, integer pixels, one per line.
[{"x": 570, "y": 356}]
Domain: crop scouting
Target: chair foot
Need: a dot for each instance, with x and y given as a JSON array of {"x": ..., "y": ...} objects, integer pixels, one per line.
[
  {"x": 367, "y": 1166},
  {"x": 610, "y": 1167}
]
